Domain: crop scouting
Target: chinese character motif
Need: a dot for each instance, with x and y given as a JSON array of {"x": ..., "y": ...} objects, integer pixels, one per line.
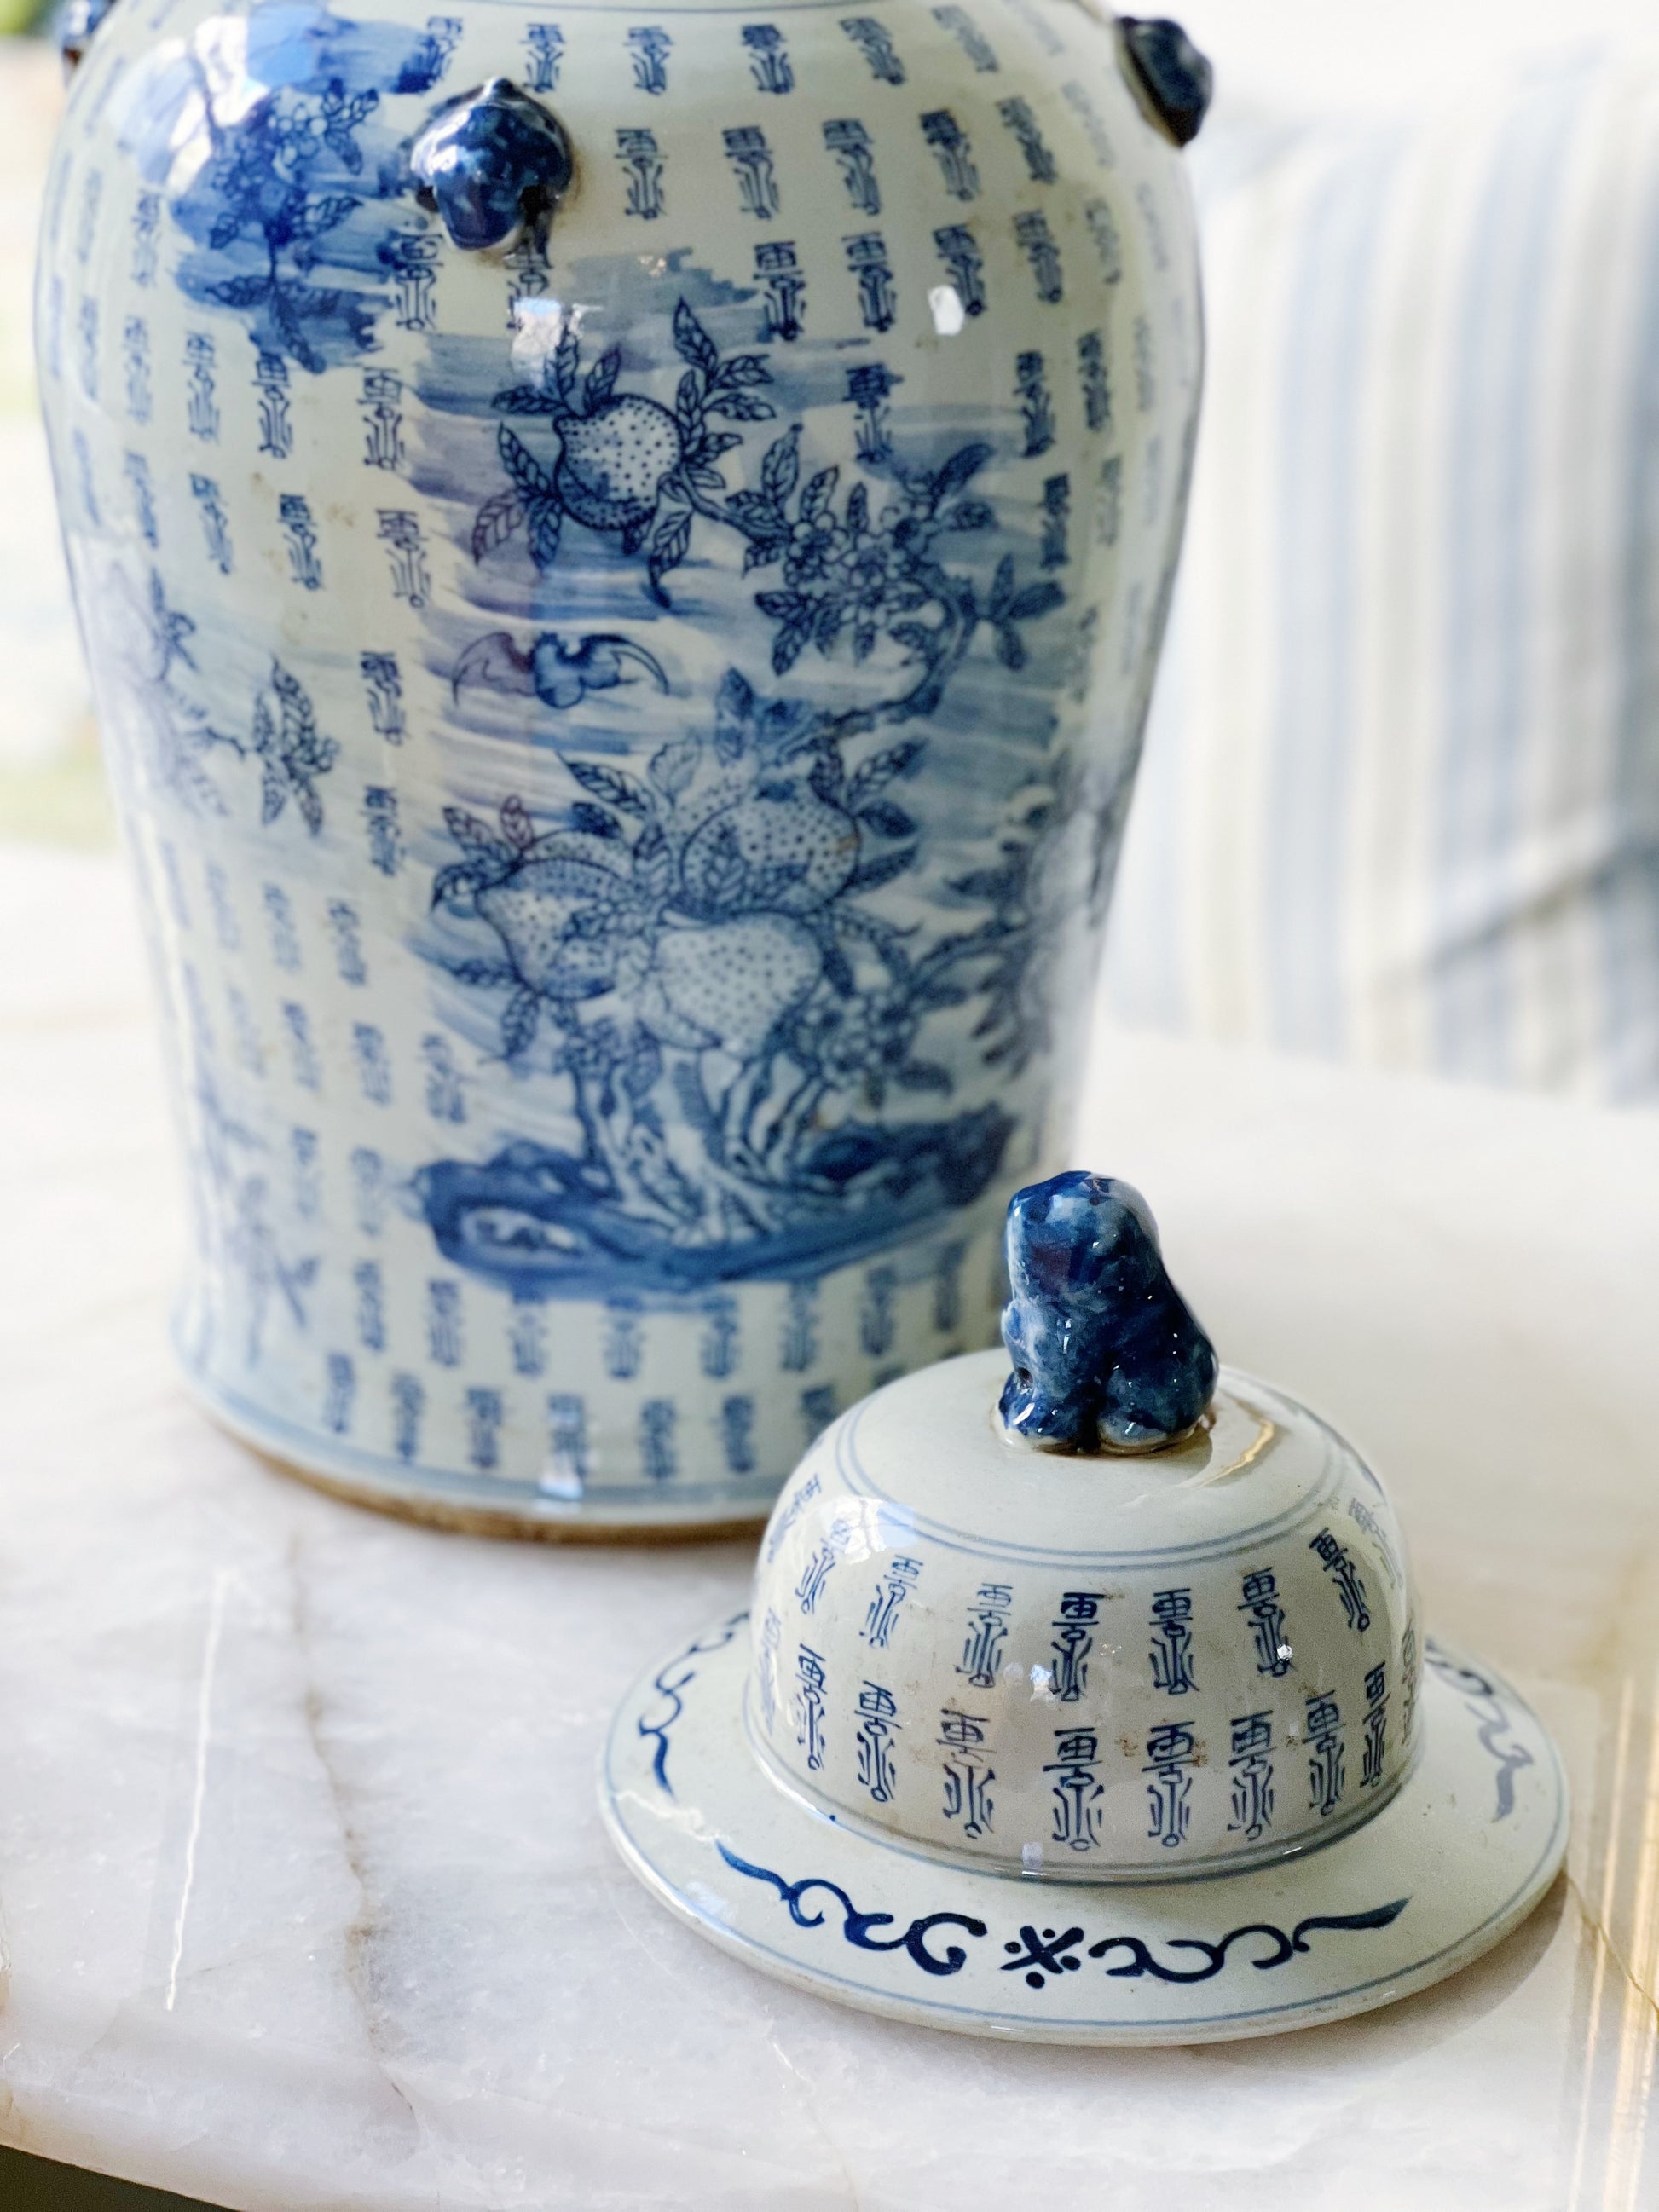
[
  {"x": 849, "y": 142},
  {"x": 719, "y": 1352},
  {"x": 1362, "y": 1516},
  {"x": 1056, "y": 512},
  {"x": 527, "y": 1339},
  {"x": 897, "y": 1579},
  {"x": 648, "y": 48},
  {"x": 1097, "y": 391},
  {"x": 637, "y": 152},
  {"x": 809, "y": 1706},
  {"x": 347, "y": 930},
  {"x": 1251, "y": 1767},
  {"x": 400, "y": 533},
  {"x": 412, "y": 257},
  {"x": 1149, "y": 218},
  {"x": 1031, "y": 390},
  {"x": 443, "y": 1322},
  {"x": 809, "y": 1589},
  {"x": 371, "y": 1305},
  {"x": 876, "y": 1312},
  {"x": 1408, "y": 1680},
  {"x": 136, "y": 470},
  {"x": 83, "y": 469},
  {"x": 295, "y": 512},
  {"x": 961, "y": 256},
  {"x": 275, "y": 425},
  {"x": 867, "y": 388},
  {"x": 817, "y": 1410},
  {"x": 1339, "y": 1566},
  {"x": 88, "y": 326},
  {"x": 1267, "y": 1625},
  {"x": 769, "y": 57},
  {"x": 1081, "y": 103},
  {"x": 146, "y": 237},
  {"x": 1376, "y": 1724},
  {"x": 1146, "y": 381},
  {"x": 566, "y": 1473},
  {"x": 1037, "y": 245},
  {"x": 383, "y": 422},
  {"x": 967, "y": 1770},
  {"x": 302, "y": 1053},
  {"x": 201, "y": 402},
  {"x": 216, "y": 524},
  {"x": 408, "y": 1402},
  {"x": 871, "y": 39},
  {"x": 1073, "y": 1642},
  {"x": 866, "y": 257},
  {"x": 621, "y": 1340},
  {"x": 385, "y": 687},
  {"x": 987, "y": 1631},
  {"x": 1077, "y": 1789},
  {"x": 135, "y": 358},
  {"x": 955, "y": 155},
  {"x": 308, "y": 1180},
  {"x": 368, "y": 1191},
  {"x": 751, "y": 158},
  {"x": 546, "y": 44},
  {"x": 1171, "y": 1753},
  {"x": 284, "y": 939},
  {"x": 483, "y": 1423},
  {"x": 430, "y": 56},
  {"x": 374, "y": 1067},
  {"x": 1107, "y": 245},
  {"x": 877, "y": 1725},
  {"x": 1109, "y": 512},
  {"x": 766, "y": 1667},
  {"x": 737, "y": 1435},
  {"x": 1040, "y": 29},
  {"x": 1325, "y": 1775},
  {"x": 385, "y": 850},
  {"x": 659, "y": 1457},
  {"x": 1171, "y": 1653},
  {"x": 1017, "y": 115},
  {"x": 779, "y": 271},
  {"x": 968, "y": 35}
]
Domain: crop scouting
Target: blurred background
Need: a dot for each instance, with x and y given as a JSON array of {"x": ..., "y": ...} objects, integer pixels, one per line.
[{"x": 1400, "y": 798}]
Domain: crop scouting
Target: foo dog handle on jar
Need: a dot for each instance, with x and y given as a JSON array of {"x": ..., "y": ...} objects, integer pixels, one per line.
[
  {"x": 1108, "y": 1356},
  {"x": 1174, "y": 79},
  {"x": 492, "y": 163}
]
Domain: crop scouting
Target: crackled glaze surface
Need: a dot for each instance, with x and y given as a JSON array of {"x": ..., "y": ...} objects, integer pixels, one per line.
[
  {"x": 1084, "y": 1668},
  {"x": 625, "y": 743}
]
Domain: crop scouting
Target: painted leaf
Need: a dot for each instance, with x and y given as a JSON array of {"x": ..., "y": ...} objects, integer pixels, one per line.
[
  {"x": 610, "y": 784},
  {"x": 496, "y": 521},
  {"x": 518, "y": 1019},
  {"x": 693, "y": 343}
]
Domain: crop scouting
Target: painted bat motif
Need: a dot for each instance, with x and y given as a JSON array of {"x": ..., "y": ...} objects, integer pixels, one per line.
[{"x": 559, "y": 674}]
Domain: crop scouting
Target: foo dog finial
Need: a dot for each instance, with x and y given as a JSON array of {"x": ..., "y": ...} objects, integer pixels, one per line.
[
  {"x": 1175, "y": 78},
  {"x": 491, "y": 162},
  {"x": 1108, "y": 1357}
]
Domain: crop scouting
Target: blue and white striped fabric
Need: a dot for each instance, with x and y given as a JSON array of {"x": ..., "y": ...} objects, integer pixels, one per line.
[{"x": 1400, "y": 796}]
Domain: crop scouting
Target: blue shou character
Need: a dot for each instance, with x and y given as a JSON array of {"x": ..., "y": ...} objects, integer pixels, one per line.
[
  {"x": 302, "y": 1053},
  {"x": 529, "y": 277},
  {"x": 800, "y": 1327},
  {"x": 1078, "y": 99},
  {"x": 92, "y": 193},
  {"x": 1097, "y": 388},
  {"x": 808, "y": 1706},
  {"x": 408, "y": 1403},
  {"x": 637, "y": 152},
  {"x": 1172, "y": 1652},
  {"x": 384, "y": 685},
  {"x": 955, "y": 155},
  {"x": 371, "y": 1304},
  {"x": 847, "y": 138},
  {"x": 347, "y": 929},
  {"x": 386, "y": 847},
  {"x": 135, "y": 358},
  {"x": 1035, "y": 405},
  {"x": 1171, "y": 1753},
  {"x": 967, "y": 1772},
  {"x": 1040, "y": 29},
  {"x": 648, "y": 48},
  {"x": 769, "y": 57},
  {"x": 1154, "y": 227},
  {"x": 987, "y": 1631},
  {"x": 1259, "y": 1589},
  {"x": 284, "y": 937},
  {"x": 88, "y": 351},
  {"x": 527, "y": 1338},
  {"x": 1039, "y": 162},
  {"x": 717, "y": 1355},
  {"x": 1339, "y": 1565},
  {"x": 737, "y": 1434},
  {"x": 383, "y": 420},
  {"x": 766, "y": 1668},
  {"x": 1325, "y": 1773},
  {"x": 294, "y": 511},
  {"x": 216, "y": 524},
  {"x": 659, "y": 1453},
  {"x": 878, "y": 1724},
  {"x": 400, "y": 533},
  {"x": 623, "y": 1345},
  {"x": 303, "y": 1150},
  {"x": 483, "y": 1423},
  {"x": 1407, "y": 1680},
  {"x": 1145, "y": 373},
  {"x": 867, "y": 388},
  {"x": 443, "y": 1322},
  {"x": 1073, "y": 1642},
  {"x": 1107, "y": 245},
  {"x": 248, "y": 1051},
  {"x": 368, "y": 1184},
  {"x": 876, "y": 1312},
  {"x": 339, "y": 1390},
  {"x": 146, "y": 238},
  {"x": 1056, "y": 513},
  {"x": 136, "y": 470},
  {"x": 1109, "y": 512},
  {"x": 546, "y": 44},
  {"x": 968, "y": 35},
  {"x": 373, "y": 1066},
  {"x": 956, "y": 247},
  {"x": 778, "y": 269},
  {"x": 817, "y": 1410},
  {"x": 1375, "y": 1725},
  {"x": 873, "y": 42},
  {"x": 270, "y": 382},
  {"x": 1037, "y": 244},
  {"x": 565, "y": 1474},
  {"x": 1077, "y": 1789},
  {"x": 947, "y": 1287},
  {"x": 751, "y": 160},
  {"x": 201, "y": 401},
  {"x": 412, "y": 257},
  {"x": 88, "y": 487},
  {"x": 1251, "y": 1768},
  {"x": 225, "y": 926},
  {"x": 897, "y": 1579},
  {"x": 809, "y": 1589},
  {"x": 866, "y": 257}
]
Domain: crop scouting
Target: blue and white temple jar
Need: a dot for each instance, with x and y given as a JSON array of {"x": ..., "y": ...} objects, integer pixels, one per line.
[{"x": 622, "y": 554}]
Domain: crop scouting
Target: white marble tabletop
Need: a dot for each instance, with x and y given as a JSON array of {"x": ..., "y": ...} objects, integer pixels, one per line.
[{"x": 303, "y": 1889}]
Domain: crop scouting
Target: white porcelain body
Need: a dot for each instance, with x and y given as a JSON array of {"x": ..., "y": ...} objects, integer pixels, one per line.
[
  {"x": 582, "y": 1102},
  {"x": 1086, "y": 1669}
]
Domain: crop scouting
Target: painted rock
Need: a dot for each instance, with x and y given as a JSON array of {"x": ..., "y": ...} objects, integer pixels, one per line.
[{"x": 623, "y": 564}]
